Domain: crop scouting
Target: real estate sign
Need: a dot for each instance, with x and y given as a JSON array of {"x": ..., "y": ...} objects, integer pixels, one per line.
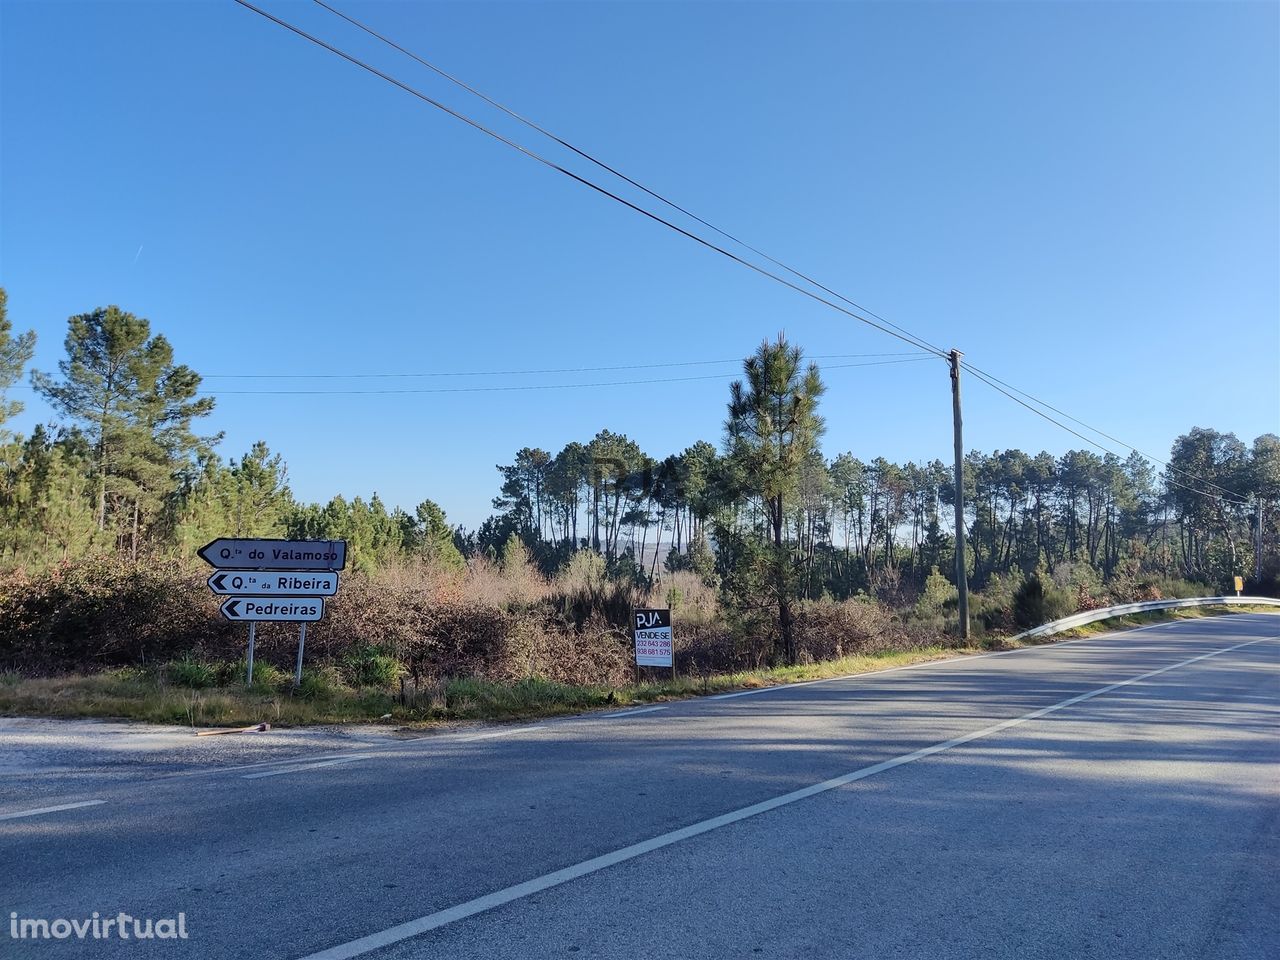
[{"x": 652, "y": 632}]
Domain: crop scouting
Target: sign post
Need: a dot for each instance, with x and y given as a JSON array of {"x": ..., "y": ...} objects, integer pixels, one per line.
[
  {"x": 1239, "y": 585},
  {"x": 302, "y": 642},
  {"x": 655, "y": 647},
  {"x": 282, "y": 581},
  {"x": 253, "y": 629}
]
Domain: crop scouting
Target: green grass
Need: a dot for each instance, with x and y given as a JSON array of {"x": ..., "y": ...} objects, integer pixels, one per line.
[{"x": 182, "y": 692}]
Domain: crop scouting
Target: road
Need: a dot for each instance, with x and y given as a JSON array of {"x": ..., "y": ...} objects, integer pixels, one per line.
[{"x": 1113, "y": 797}]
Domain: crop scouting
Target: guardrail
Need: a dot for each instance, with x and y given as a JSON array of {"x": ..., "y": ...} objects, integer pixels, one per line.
[{"x": 1106, "y": 613}]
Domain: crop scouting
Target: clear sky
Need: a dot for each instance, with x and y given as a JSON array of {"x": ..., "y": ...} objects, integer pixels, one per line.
[{"x": 1083, "y": 197}]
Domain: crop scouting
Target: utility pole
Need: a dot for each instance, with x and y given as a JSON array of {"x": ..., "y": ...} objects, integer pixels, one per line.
[
  {"x": 962, "y": 579},
  {"x": 1257, "y": 551}
]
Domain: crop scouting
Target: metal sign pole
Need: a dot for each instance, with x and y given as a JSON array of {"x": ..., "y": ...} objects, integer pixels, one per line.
[
  {"x": 253, "y": 629},
  {"x": 302, "y": 640}
]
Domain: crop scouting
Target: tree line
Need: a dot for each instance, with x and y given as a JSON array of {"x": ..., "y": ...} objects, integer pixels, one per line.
[
  {"x": 126, "y": 469},
  {"x": 763, "y": 514},
  {"x": 875, "y": 526}
]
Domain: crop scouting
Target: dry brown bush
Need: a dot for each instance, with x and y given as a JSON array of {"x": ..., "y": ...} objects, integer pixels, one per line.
[
  {"x": 828, "y": 630},
  {"x": 516, "y": 583},
  {"x": 104, "y": 611},
  {"x": 688, "y": 596},
  {"x": 488, "y": 623}
]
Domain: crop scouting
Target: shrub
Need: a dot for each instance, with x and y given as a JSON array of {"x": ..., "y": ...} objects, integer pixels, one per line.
[
  {"x": 515, "y": 583},
  {"x": 1039, "y": 600},
  {"x": 827, "y": 630},
  {"x": 992, "y": 608},
  {"x": 196, "y": 674},
  {"x": 691, "y": 599},
  {"x": 939, "y": 594},
  {"x": 103, "y": 612},
  {"x": 372, "y": 667},
  {"x": 1170, "y": 588},
  {"x": 584, "y": 592},
  {"x": 266, "y": 677},
  {"x": 321, "y": 683},
  {"x": 1081, "y": 584}
]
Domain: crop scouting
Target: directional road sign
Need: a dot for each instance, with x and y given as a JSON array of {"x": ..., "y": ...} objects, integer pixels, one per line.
[
  {"x": 267, "y": 583},
  {"x": 284, "y": 609},
  {"x": 234, "y": 554}
]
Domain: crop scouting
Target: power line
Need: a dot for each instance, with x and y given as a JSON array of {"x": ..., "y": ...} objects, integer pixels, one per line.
[
  {"x": 1102, "y": 433},
  {"x": 995, "y": 385},
  {"x": 520, "y": 373},
  {"x": 617, "y": 173},
  {"x": 885, "y": 326},
  {"x": 528, "y": 386},
  {"x": 675, "y": 206},
  {"x": 903, "y": 336}
]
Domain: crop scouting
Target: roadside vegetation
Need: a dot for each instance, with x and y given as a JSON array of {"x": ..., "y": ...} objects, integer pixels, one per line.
[
  {"x": 777, "y": 561},
  {"x": 413, "y": 646},
  {"x": 325, "y": 696}
]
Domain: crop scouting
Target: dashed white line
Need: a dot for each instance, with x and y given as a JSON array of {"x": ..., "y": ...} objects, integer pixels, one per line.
[
  {"x": 62, "y": 806},
  {"x": 413, "y": 928}
]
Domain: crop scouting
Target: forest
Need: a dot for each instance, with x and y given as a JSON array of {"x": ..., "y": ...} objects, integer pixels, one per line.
[{"x": 761, "y": 522}]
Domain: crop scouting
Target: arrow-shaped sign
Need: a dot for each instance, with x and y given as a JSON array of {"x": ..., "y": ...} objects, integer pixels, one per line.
[
  {"x": 229, "y": 553},
  {"x": 283, "y": 609},
  {"x": 265, "y": 583}
]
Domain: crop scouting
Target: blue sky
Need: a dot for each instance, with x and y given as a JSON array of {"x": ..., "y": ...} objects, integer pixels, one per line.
[{"x": 1083, "y": 197}]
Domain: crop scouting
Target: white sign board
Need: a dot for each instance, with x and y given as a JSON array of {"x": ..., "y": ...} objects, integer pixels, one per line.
[
  {"x": 652, "y": 631},
  {"x": 280, "y": 609},
  {"x": 227, "y": 553},
  {"x": 266, "y": 583}
]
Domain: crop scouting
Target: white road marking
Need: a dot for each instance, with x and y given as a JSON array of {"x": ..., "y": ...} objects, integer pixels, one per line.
[
  {"x": 498, "y": 733},
  {"x": 625, "y": 713},
  {"x": 40, "y": 810},
  {"x": 305, "y": 763},
  {"x": 305, "y": 766},
  {"x": 498, "y": 898}
]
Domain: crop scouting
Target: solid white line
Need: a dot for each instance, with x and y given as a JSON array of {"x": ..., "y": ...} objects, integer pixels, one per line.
[
  {"x": 61, "y": 806},
  {"x": 413, "y": 928},
  {"x": 305, "y": 766}
]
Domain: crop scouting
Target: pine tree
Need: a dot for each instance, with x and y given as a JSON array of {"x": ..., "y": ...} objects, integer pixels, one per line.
[
  {"x": 772, "y": 431},
  {"x": 15, "y": 354},
  {"x": 121, "y": 387}
]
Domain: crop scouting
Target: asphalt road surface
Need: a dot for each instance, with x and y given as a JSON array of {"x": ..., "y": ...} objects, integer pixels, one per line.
[{"x": 1114, "y": 797}]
